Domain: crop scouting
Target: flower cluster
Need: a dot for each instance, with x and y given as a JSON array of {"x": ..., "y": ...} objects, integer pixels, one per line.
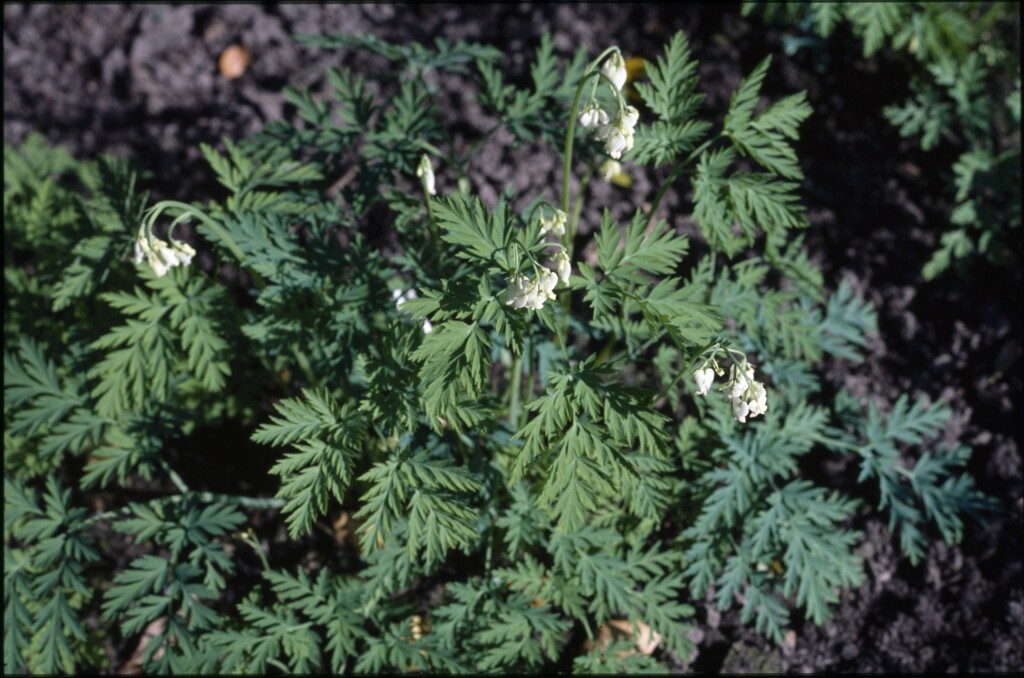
[
  {"x": 617, "y": 135},
  {"x": 747, "y": 395},
  {"x": 555, "y": 225},
  {"x": 524, "y": 292},
  {"x": 160, "y": 255},
  {"x": 593, "y": 115},
  {"x": 425, "y": 170}
]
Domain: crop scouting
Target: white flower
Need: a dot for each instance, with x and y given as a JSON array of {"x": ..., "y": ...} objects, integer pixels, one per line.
[
  {"x": 740, "y": 409},
  {"x": 704, "y": 378},
  {"x": 609, "y": 168},
  {"x": 615, "y": 69},
  {"x": 518, "y": 289},
  {"x": 425, "y": 170},
  {"x": 526, "y": 293},
  {"x": 536, "y": 298},
  {"x": 183, "y": 252},
  {"x": 748, "y": 396},
  {"x": 593, "y": 115},
  {"x": 616, "y": 139},
  {"x": 161, "y": 257},
  {"x": 562, "y": 266},
  {"x": 554, "y": 225},
  {"x": 401, "y": 297},
  {"x": 547, "y": 282},
  {"x": 631, "y": 117},
  {"x": 618, "y": 136},
  {"x": 758, "y": 404}
]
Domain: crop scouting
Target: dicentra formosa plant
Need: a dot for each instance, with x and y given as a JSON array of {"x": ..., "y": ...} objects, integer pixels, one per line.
[{"x": 507, "y": 418}]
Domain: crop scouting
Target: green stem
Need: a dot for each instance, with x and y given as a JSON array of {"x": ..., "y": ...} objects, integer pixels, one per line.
[
  {"x": 574, "y": 218},
  {"x": 249, "y": 538},
  {"x": 530, "y": 362},
  {"x": 514, "y": 387},
  {"x": 570, "y": 137},
  {"x": 213, "y": 225},
  {"x": 258, "y": 503},
  {"x": 175, "y": 478}
]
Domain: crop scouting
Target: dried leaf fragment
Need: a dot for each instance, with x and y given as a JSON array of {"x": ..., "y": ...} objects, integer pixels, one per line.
[{"x": 233, "y": 61}]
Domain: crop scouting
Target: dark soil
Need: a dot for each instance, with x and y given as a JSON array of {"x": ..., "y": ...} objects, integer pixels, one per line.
[{"x": 143, "y": 82}]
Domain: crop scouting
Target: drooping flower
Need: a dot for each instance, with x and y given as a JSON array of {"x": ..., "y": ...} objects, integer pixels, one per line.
[
  {"x": 562, "y": 266},
  {"x": 526, "y": 293},
  {"x": 593, "y": 115},
  {"x": 183, "y": 252},
  {"x": 159, "y": 254},
  {"x": 547, "y": 282},
  {"x": 758, "y": 403},
  {"x": 554, "y": 225},
  {"x": 618, "y": 136},
  {"x": 161, "y": 257},
  {"x": 425, "y": 170},
  {"x": 747, "y": 395},
  {"x": 614, "y": 68},
  {"x": 704, "y": 379},
  {"x": 519, "y": 291},
  {"x": 740, "y": 410}
]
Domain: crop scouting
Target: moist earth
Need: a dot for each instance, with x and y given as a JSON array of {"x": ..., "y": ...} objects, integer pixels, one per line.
[{"x": 142, "y": 82}]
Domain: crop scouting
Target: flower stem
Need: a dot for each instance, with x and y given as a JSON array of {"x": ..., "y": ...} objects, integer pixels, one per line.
[
  {"x": 228, "y": 241},
  {"x": 514, "y": 388}
]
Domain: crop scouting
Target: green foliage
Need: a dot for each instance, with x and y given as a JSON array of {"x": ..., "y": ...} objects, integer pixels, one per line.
[
  {"x": 965, "y": 78},
  {"x": 934, "y": 490},
  {"x": 465, "y": 483},
  {"x": 671, "y": 94},
  {"x": 537, "y": 111},
  {"x": 431, "y": 494},
  {"x": 327, "y": 439}
]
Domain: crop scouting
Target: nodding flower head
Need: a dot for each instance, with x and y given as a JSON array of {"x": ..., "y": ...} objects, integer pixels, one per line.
[
  {"x": 593, "y": 115},
  {"x": 562, "y": 266},
  {"x": 748, "y": 396},
  {"x": 615, "y": 69},
  {"x": 183, "y": 251},
  {"x": 554, "y": 225},
  {"x": 618, "y": 136},
  {"x": 704, "y": 379},
  {"x": 526, "y": 293},
  {"x": 159, "y": 254}
]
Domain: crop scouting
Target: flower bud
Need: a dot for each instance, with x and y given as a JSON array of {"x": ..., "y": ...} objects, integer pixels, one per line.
[
  {"x": 563, "y": 267},
  {"x": 425, "y": 170},
  {"x": 615, "y": 69}
]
